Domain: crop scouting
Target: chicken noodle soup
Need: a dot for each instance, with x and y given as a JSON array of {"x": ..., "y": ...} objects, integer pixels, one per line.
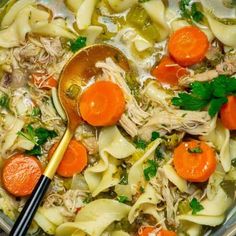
[{"x": 155, "y": 152}]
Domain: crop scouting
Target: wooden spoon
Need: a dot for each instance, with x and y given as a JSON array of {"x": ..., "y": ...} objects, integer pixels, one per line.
[{"x": 79, "y": 69}]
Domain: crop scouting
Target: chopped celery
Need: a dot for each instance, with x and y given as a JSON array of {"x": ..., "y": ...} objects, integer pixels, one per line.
[{"x": 139, "y": 19}]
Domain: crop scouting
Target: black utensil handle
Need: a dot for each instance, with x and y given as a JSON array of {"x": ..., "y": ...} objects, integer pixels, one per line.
[{"x": 26, "y": 216}]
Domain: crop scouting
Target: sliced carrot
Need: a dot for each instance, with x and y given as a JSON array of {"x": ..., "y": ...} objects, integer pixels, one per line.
[
  {"x": 146, "y": 231},
  {"x": 228, "y": 113},
  {"x": 44, "y": 81},
  {"x": 195, "y": 161},
  {"x": 74, "y": 160},
  {"x": 168, "y": 71},
  {"x": 166, "y": 233},
  {"x": 20, "y": 174},
  {"x": 188, "y": 45},
  {"x": 102, "y": 104}
]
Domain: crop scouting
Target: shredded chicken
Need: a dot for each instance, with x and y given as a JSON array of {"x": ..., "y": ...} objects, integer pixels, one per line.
[
  {"x": 88, "y": 136},
  {"x": 192, "y": 122},
  {"x": 135, "y": 116},
  {"x": 227, "y": 67}
]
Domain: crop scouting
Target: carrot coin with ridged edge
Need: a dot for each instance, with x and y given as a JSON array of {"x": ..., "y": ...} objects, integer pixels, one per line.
[
  {"x": 20, "y": 174},
  {"x": 149, "y": 230},
  {"x": 188, "y": 45},
  {"x": 228, "y": 113},
  {"x": 74, "y": 160},
  {"x": 102, "y": 104},
  {"x": 195, "y": 161}
]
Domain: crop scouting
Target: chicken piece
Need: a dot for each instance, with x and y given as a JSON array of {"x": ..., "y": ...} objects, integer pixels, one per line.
[{"x": 192, "y": 122}]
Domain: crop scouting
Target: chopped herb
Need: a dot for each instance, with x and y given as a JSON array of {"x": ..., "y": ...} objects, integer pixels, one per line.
[
  {"x": 4, "y": 101},
  {"x": 36, "y": 112},
  {"x": 142, "y": 1},
  {"x": 195, "y": 206},
  {"x": 190, "y": 10},
  {"x": 36, "y": 151},
  {"x": 141, "y": 189},
  {"x": 196, "y": 14},
  {"x": 124, "y": 179},
  {"x": 213, "y": 93},
  {"x": 79, "y": 43},
  {"x": 140, "y": 143},
  {"x": 195, "y": 150},
  {"x": 159, "y": 154},
  {"x": 151, "y": 170},
  {"x": 233, "y": 162},
  {"x": 155, "y": 135},
  {"x": 38, "y": 137},
  {"x": 122, "y": 199},
  {"x": 88, "y": 199}
]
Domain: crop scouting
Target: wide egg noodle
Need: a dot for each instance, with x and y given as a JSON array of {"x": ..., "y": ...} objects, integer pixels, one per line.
[
  {"x": 210, "y": 215},
  {"x": 94, "y": 218},
  {"x": 220, "y": 138},
  {"x": 112, "y": 147},
  {"x": 84, "y": 14},
  {"x": 225, "y": 33},
  {"x": 11, "y": 15},
  {"x": 147, "y": 199},
  {"x": 173, "y": 177},
  {"x": 16, "y": 32},
  {"x": 156, "y": 10},
  {"x": 121, "y": 5},
  {"x": 54, "y": 29},
  {"x": 135, "y": 175}
]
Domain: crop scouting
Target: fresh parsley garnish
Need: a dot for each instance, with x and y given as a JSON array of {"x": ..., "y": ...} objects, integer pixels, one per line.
[
  {"x": 122, "y": 199},
  {"x": 124, "y": 179},
  {"x": 158, "y": 154},
  {"x": 4, "y": 101},
  {"x": 195, "y": 206},
  {"x": 38, "y": 136},
  {"x": 190, "y": 10},
  {"x": 140, "y": 143},
  {"x": 36, "y": 112},
  {"x": 212, "y": 94},
  {"x": 151, "y": 170},
  {"x": 142, "y": 1},
  {"x": 36, "y": 151},
  {"x": 79, "y": 43},
  {"x": 155, "y": 135},
  {"x": 195, "y": 150}
]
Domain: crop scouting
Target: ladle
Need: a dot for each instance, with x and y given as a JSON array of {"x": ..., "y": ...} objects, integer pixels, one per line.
[{"x": 79, "y": 69}]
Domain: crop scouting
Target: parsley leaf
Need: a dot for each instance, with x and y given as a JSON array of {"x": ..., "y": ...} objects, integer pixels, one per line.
[
  {"x": 151, "y": 170},
  {"x": 159, "y": 154},
  {"x": 196, "y": 14},
  {"x": 155, "y": 135},
  {"x": 36, "y": 112},
  {"x": 38, "y": 137},
  {"x": 190, "y": 11},
  {"x": 195, "y": 206},
  {"x": 142, "y": 1},
  {"x": 140, "y": 143},
  {"x": 213, "y": 93},
  {"x": 79, "y": 43},
  {"x": 122, "y": 199},
  {"x": 195, "y": 150},
  {"x": 4, "y": 101},
  {"x": 36, "y": 151}
]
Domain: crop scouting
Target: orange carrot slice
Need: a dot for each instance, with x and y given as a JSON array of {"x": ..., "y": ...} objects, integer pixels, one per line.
[
  {"x": 102, "y": 104},
  {"x": 20, "y": 174},
  {"x": 188, "y": 45},
  {"x": 194, "y": 161},
  {"x": 74, "y": 160}
]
